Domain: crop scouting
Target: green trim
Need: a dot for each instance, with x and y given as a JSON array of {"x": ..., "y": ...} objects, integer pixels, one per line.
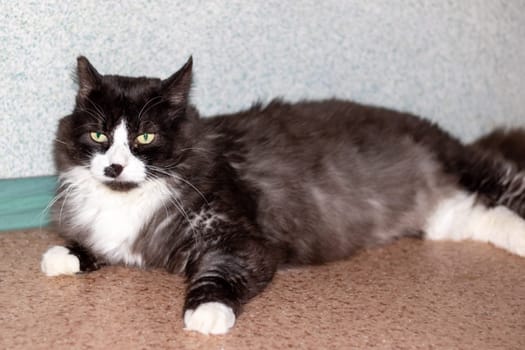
[{"x": 23, "y": 202}]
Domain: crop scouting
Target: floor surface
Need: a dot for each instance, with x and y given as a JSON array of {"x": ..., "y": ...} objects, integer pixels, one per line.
[{"x": 409, "y": 295}]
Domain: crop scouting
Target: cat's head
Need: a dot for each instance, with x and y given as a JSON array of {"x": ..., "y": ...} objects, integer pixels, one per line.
[{"x": 125, "y": 130}]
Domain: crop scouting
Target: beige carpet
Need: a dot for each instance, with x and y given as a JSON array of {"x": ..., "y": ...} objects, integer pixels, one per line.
[{"x": 409, "y": 295}]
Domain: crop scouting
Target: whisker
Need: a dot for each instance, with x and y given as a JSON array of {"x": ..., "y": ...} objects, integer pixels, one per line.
[
  {"x": 97, "y": 107},
  {"x": 94, "y": 114},
  {"x": 178, "y": 204},
  {"x": 175, "y": 201},
  {"x": 66, "y": 188},
  {"x": 53, "y": 200},
  {"x": 60, "y": 141},
  {"x": 144, "y": 110},
  {"x": 68, "y": 191},
  {"x": 180, "y": 178}
]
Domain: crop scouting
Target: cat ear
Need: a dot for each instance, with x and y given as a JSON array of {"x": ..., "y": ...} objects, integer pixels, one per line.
[
  {"x": 87, "y": 77},
  {"x": 177, "y": 87}
]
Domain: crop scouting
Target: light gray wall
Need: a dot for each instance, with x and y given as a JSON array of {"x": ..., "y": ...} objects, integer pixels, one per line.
[{"x": 460, "y": 63}]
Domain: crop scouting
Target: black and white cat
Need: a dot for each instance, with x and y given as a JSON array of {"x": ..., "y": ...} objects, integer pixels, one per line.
[{"x": 227, "y": 200}]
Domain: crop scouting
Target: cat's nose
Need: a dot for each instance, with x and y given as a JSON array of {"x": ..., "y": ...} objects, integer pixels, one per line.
[{"x": 113, "y": 170}]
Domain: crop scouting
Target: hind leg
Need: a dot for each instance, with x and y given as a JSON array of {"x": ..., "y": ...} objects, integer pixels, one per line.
[{"x": 461, "y": 217}]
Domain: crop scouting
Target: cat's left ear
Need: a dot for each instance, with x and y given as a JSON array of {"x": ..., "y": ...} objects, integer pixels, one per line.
[{"x": 177, "y": 87}]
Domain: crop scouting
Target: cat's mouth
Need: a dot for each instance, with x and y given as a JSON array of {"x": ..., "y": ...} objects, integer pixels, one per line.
[{"x": 121, "y": 186}]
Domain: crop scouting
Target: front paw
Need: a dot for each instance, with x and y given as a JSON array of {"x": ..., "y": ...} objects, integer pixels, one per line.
[
  {"x": 57, "y": 261},
  {"x": 210, "y": 318}
]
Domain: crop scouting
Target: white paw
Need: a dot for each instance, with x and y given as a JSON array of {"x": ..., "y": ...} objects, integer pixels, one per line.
[
  {"x": 210, "y": 318},
  {"x": 57, "y": 261}
]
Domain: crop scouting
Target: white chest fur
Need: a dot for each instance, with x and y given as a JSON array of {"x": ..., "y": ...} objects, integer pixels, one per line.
[{"x": 112, "y": 219}]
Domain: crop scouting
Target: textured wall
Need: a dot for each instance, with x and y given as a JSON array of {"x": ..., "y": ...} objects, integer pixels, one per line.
[{"x": 457, "y": 62}]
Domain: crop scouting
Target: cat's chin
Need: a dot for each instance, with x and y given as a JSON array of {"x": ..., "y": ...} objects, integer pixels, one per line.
[{"x": 121, "y": 186}]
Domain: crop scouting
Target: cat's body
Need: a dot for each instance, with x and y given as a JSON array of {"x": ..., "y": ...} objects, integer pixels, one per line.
[{"x": 227, "y": 200}]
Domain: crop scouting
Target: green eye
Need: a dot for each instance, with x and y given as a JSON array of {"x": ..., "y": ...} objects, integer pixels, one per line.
[
  {"x": 98, "y": 137},
  {"x": 145, "y": 138}
]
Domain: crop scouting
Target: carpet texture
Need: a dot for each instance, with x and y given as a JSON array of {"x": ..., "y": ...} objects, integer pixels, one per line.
[{"x": 408, "y": 295}]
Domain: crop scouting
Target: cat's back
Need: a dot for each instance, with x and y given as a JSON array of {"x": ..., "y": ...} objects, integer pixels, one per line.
[
  {"x": 332, "y": 167},
  {"x": 319, "y": 126}
]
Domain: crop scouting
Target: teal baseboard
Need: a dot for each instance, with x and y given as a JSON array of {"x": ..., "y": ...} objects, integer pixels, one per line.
[{"x": 24, "y": 202}]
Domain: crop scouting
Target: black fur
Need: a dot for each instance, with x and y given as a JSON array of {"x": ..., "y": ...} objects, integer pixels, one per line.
[
  {"x": 291, "y": 183},
  {"x": 88, "y": 262},
  {"x": 509, "y": 144}
]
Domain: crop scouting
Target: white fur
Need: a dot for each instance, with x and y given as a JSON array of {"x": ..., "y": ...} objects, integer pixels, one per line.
[
  {"x": 460, "y": 217},
  {"x": 57, "y": 261},
  {"x": 210, "y": 318},
  {"x": 113, "y": 218},
  {"x": 119, "y": 153}
]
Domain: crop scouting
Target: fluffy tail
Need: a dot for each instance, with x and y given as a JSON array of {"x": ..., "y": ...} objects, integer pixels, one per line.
[
  {"x": 508, "y": 143},
  {"x": 495, "y": 180}
]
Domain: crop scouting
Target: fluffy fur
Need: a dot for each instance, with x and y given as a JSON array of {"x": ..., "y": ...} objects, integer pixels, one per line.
[
  {"x": 460, "y": 217},
  {"x": 226, "y": 200},
  {"x": 57, "y": 261},
  {"x": 507, "y": 143}
]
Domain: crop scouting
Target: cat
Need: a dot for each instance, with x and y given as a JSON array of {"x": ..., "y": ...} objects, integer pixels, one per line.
[
  {"x": 145, "y": 181},
  {"x": 506, "y": 143}
]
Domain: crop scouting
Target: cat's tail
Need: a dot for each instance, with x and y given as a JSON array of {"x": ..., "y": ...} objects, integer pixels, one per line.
[
  {"x": 494, "y": 179},
  {"x": 507, "y": 143}
]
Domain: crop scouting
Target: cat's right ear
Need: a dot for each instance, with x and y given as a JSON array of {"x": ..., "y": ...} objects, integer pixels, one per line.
[
  {"x": 177, "y": 87},
  {"x": 87, "y": 77}
]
